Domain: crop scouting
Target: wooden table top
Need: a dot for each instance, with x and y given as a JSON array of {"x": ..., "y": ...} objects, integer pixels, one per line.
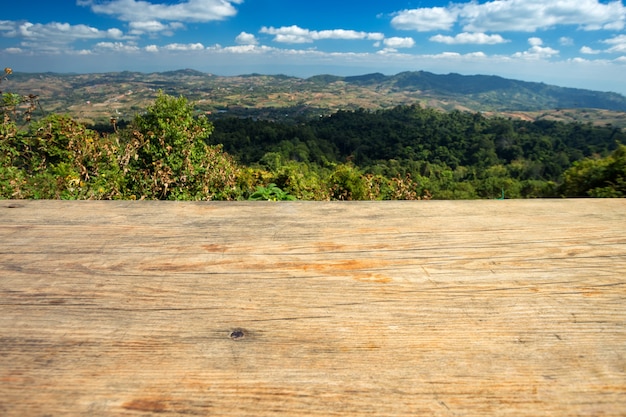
[{"x": 514, "y": 307}]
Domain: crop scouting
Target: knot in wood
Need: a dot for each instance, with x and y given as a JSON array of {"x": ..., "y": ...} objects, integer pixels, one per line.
[{"x": 237, "y": 334}]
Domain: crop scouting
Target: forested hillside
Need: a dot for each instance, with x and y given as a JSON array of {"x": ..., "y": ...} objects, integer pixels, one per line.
[
  {"x": 491, "y": 92},
  {"x": 452, "y": 155}
]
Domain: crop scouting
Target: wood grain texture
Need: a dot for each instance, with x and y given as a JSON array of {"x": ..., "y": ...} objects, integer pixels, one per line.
[{"x": 313, "y": 309}]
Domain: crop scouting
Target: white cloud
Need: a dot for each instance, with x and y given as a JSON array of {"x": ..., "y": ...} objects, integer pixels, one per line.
[
  {"x": 185, "y": 11},
  {"x": 589, "y": 51},
  {"x": 534, "y": 41},
  {"x": 537, "y": 52},
  {"x": 153, "y": 26},
  {"x": 618, "y": 44},
  {"x": 296, "y": 34},
  {"x": 469, "y": 38},
  {"x": 566, "y": 41},
  {"x": 245, "y": 38},
  {"x": 54, "y": 37},
  {"x": 347, "y": 35},
  {"x": 60, "y": 32},
  {"x": 515, "y": 15},
  {"x": 375, "y": 36},
  {"x": 289, "y": 34},
  {"x": 447, "y": 55},
  {"x": 425, "y": 19},
  {"x": 184, "y": 47},
  {"x": 532, "y": 15},
  {"x": 152, "y": 48},
  {"x": 7, "y": 25},
  {"x": 397, "y": 42},
  {"x": 247, "y": 49},
  {"x": 117, "y": 46}
]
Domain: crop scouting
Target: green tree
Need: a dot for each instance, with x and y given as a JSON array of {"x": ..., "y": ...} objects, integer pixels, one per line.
[
  {"x": 348, "y": 183},
  {"x": 597, "y": 177},
  {"x": 167, "y": 156}
]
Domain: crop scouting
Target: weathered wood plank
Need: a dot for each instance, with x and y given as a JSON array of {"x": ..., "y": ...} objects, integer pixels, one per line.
[{"x": 252, "y": 309}]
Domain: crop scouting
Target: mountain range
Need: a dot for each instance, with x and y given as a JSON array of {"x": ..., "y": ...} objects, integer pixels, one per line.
[
  {"x": 99, "y": 96},
  {"x": 497, "y": 92}
]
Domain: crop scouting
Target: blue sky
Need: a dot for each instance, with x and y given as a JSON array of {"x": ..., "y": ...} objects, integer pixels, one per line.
[{"x": 576, "y": 43}]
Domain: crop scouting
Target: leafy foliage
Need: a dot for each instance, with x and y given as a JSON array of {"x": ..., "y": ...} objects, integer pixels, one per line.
[
  {"x": 58, "y": 158},
  {"x": 166, "y": 155},
  {"x": 597, "y": 177},
  {"x": 162, "y": 155},
  {"x": 443, "y": 155},
  {"x": 270, "y": 193}
]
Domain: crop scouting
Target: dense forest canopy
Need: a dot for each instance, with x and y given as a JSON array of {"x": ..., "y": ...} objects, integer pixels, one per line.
[
  {"x": 407, "y": 152},
  {"x": 453, "y": 155}
]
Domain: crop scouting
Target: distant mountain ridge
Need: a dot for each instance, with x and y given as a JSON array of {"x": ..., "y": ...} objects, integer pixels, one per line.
[
  {"x": 490, "y": 90},
  {"x": 100, "y": 96}
]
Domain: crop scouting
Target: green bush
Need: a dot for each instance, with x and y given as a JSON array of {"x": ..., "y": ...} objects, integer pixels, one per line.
[
  {"x": 270, "y": 193},
  {"x": 58, "y": 158},
  {"x": 166, "y": 156},
  {"x": 597, "y": 177},
  {"x": 161, "y": 155},
  {"x": 348, "y": 183}
]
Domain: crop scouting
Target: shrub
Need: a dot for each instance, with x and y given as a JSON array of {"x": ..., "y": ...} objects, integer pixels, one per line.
[
  {"x": 348, "y": 183},
  {"x": 166, "y": 156},
  {"x": 270, "y": 193},
  {"x": 597, "y": 177}
]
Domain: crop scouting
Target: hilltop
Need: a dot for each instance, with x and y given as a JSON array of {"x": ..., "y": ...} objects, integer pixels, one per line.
[{"x": 95, "y": 98}]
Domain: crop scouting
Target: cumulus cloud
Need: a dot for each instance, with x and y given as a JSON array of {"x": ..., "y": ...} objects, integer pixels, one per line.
[
  {"x": 7, "y": 25},
  {"x": 296, "y": 34},
  {"x": 57, "y": 32},
  {"x": 537, "y": 52},
  {"x": 54, "y": 37},
  {"x": 153, "y": 26},
  {"x": 618, "y": 44},
  {"x": 184, "y": 47},
  {"x": 247, "y": 49},
  {"x": 425, "y": 19},
  {"x": 245, "y": 38},
  {"x": 589, "y": 51},
  {"x": 397, "y": 42},
  {"x": 469, "y": 38},
  {"x": 185, "y": 11},
  {"x": 289, "y": 34},
  {"x": 117, "y": 46},
  {"x": 514, "y": 15}
]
